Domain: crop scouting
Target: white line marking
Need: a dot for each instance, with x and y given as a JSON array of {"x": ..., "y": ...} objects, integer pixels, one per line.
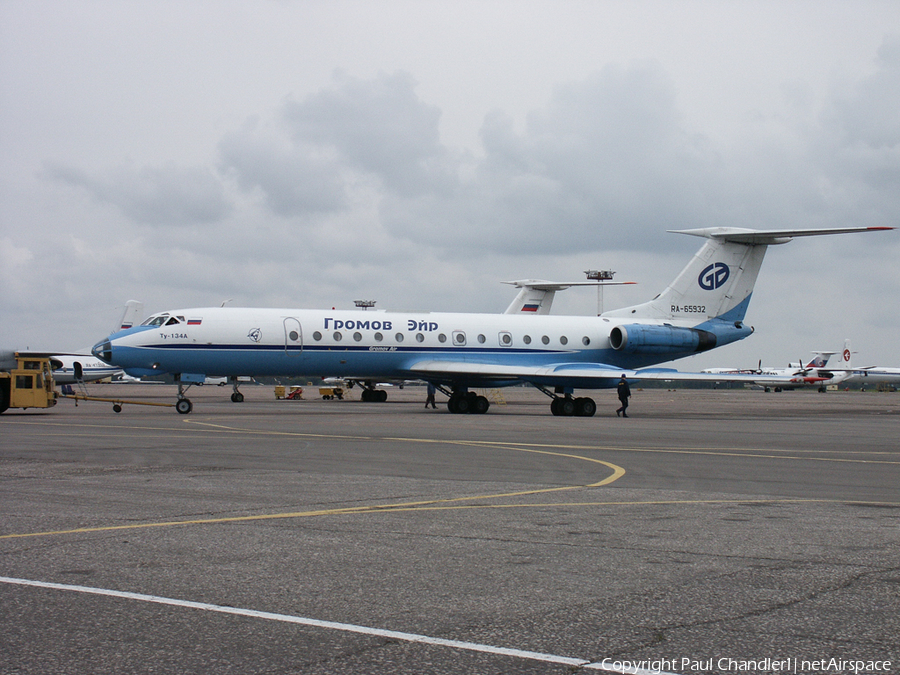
[{"x": 605, "y": 665}]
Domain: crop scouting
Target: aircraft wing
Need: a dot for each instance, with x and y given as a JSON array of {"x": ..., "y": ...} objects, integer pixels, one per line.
[{"x": 581, "y": 374}]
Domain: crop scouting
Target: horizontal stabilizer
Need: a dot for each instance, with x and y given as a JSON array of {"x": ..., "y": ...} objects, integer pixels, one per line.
[{"x": 741, "y": 235}]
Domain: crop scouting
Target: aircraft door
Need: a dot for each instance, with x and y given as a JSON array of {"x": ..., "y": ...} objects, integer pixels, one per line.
[{"x": 293, "y": 337}]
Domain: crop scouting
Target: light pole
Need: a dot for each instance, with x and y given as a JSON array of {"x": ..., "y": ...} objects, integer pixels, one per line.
[{"x": 599, "y": 276}]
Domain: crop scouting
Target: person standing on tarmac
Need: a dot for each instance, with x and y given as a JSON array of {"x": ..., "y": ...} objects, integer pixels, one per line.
[
  {"x": 430, "y": 396},
  {"x": 624, "y": 392}
]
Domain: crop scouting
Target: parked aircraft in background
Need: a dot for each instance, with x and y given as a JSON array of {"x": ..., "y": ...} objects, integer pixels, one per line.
[
  {"x": 703, "y": 308},
  {"x": 876, "y": 375},
  {"x": 536, "y": 295},
  {"x": 816, "y": 373},
  {"x": 864, "y": 375},
  {"x": 82, "y": 366}
]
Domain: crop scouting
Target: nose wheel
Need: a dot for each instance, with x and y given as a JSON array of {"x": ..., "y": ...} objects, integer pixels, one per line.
[
  {"x": 236, "y": 396},
  {"x": 183, "y": 405}
]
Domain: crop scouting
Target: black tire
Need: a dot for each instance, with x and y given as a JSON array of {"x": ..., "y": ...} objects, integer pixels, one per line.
[
  {"x": 117, "y": 408},
  {"x": 184, "y": 406},
  {"x": 481, "y": 405},
  {"x": 459, "y": 403},
  {"x": 566, "y": 407},
  {"x": 585, "y": 407},
  {"x": 237, "y": 397}
]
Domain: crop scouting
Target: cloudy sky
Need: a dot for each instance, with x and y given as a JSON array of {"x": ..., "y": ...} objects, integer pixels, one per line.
[{"x": 306, "y": 154}]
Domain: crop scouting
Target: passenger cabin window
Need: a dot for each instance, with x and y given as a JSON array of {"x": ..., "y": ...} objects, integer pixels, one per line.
[
  {"x": 505, "y": 339},
  {"x": 459, "y": 338}
]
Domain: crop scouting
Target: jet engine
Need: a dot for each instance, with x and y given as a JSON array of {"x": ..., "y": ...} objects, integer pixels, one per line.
[{"x": 643, "y": 339}]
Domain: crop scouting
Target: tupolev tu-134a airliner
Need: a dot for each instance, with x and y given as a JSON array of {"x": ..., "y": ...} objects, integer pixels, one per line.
[{"x": 703, "y": 308}]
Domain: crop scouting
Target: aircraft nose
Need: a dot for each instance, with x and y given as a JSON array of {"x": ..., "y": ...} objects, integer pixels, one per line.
[{"x": 103, "y": 351}]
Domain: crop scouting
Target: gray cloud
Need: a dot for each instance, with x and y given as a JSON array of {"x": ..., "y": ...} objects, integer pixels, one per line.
[
  {"x": 167, "y": 195},
  {"x": 379, "y": 126},
  {"x": 295, "y": 179}
]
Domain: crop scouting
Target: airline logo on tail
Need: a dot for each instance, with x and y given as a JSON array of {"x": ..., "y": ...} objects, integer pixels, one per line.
[{"x": 714, "y": 276}]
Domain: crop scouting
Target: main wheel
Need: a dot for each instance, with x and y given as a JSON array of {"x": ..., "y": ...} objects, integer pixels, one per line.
[
  {"x": 481, "y": 405},
  {"x": 585, "y": 407},
  {"x": 184, "y": 406},
  {"x": 459, "y": 403},
  {"x": 566, "y": 407}
]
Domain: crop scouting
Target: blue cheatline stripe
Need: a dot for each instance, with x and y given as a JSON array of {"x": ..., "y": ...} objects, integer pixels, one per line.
[{"x": 605, "y": 665}]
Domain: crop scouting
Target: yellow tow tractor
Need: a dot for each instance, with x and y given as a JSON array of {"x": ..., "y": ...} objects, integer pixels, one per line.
[{"x": 28, "y": 385}]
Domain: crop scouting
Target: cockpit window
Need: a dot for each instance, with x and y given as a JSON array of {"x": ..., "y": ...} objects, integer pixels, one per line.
[
  {"x": 158, "y": 320},
  {"x": 173, "y": 321}
]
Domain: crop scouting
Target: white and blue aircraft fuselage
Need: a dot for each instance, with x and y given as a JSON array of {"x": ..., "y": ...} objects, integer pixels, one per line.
[{"x": 703, "y": 308}]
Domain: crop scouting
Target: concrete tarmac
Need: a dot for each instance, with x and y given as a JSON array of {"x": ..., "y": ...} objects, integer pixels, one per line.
[{"x": 711, "y": 532}]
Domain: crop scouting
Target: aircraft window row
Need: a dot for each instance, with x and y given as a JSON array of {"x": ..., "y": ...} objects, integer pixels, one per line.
[{"x": 459, "y": 337}]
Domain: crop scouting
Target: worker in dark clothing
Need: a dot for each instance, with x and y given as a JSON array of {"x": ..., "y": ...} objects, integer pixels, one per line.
[
  {"x": 624, "y": 392},
  {"x": 430, "y": 397}
]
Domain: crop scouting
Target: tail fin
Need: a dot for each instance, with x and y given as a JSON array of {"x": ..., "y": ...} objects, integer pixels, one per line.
[
  {"x": 134, "y": 310},
  {"x": 536, "y": 296},
  {"x": 718, "y": 281},
  {"x": 820, "y": 359},
  {"x": 843, "y": 362}
]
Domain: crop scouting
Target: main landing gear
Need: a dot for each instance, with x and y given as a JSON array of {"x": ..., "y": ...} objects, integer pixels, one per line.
[
  {"x": 373, "y": 395},
  {"x": 566, "y": 406},
  {"x": 467, "y": 402}
]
